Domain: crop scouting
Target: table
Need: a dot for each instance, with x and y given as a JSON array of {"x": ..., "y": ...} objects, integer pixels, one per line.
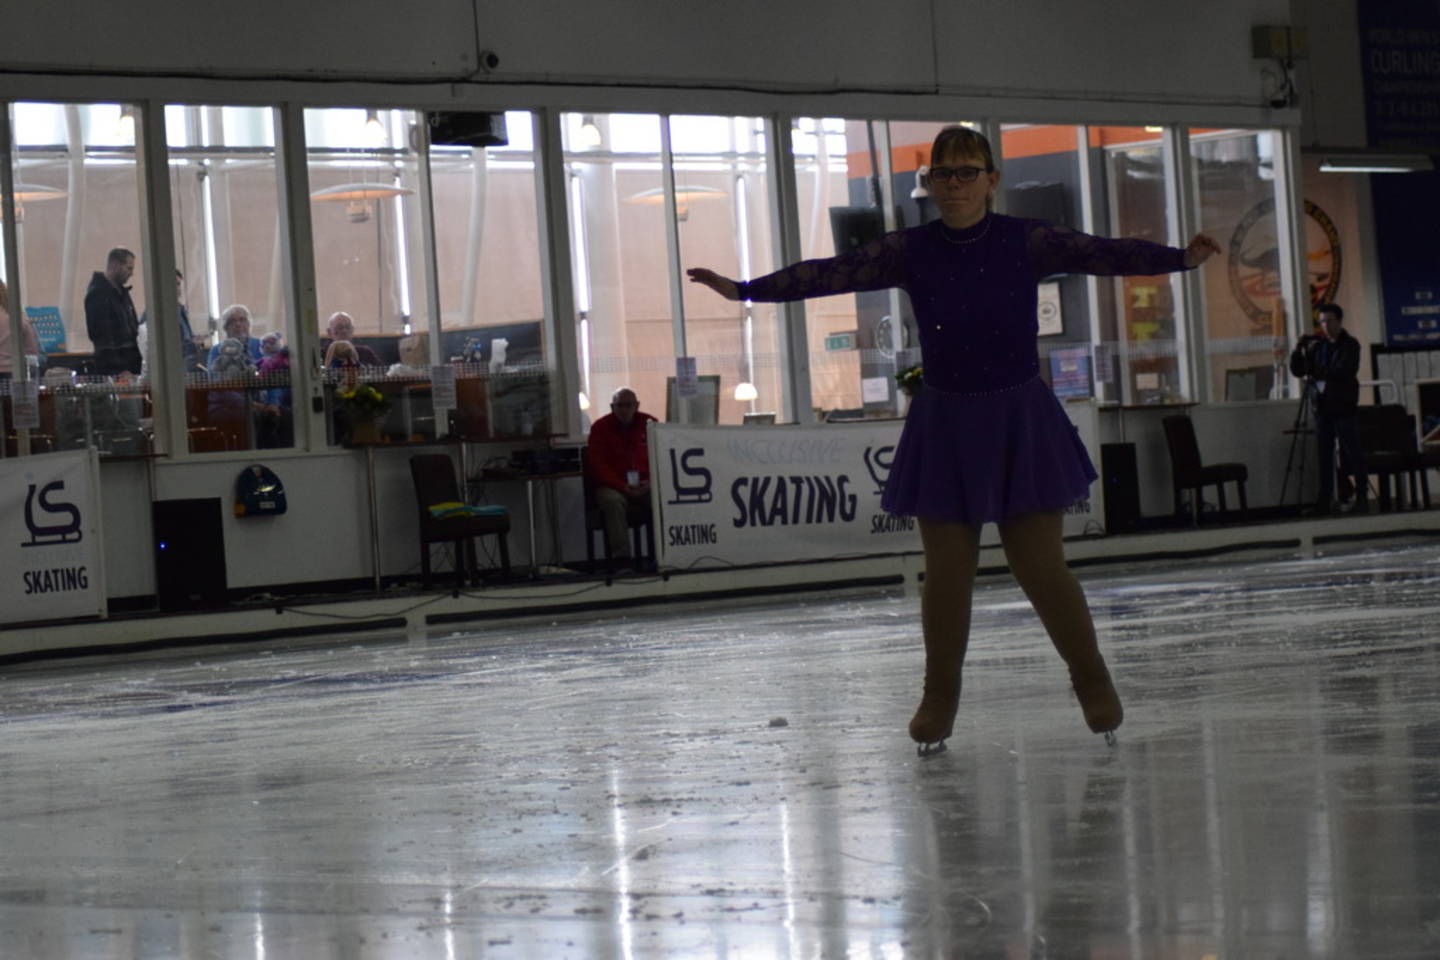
[{"x": 529, "y": 479}]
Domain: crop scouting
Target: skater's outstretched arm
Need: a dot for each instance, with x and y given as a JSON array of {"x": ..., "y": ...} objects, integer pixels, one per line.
[
  {"x": 878, "y": 265},
  {"x": 1057, "y": 249}
]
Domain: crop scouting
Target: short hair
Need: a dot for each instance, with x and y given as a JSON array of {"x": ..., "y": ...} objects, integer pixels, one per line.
[
  {"x": 619, "y": 390},
  {"x": 1331, "y": 308},
  {"x": 236, "y": 311},
  {"x": 961, "y": 140},
  {"x": 118, "y": 255}
]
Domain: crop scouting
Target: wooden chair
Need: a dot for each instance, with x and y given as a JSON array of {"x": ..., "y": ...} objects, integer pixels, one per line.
[
  {"x": 435, "y": 483},
  {"x": 637, "y": 518},
  {"x": 1387, "y": 438},
  {"x": 1188, "y": 472}
]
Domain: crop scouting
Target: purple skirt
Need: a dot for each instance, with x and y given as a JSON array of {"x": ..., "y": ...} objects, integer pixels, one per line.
[{"x": 982, "y": 457}]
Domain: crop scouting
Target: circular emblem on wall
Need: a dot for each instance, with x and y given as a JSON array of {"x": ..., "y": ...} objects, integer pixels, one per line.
[{"x": 1254, "y": 261}]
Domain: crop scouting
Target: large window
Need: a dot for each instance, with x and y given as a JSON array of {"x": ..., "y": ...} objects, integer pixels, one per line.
[
  {"x": 627, "y": 284},
  {"x": 369, "y": 249},
  {"x": 230, "y": 281},
  {"x": 77, "y": 194},
  {"x": 1145, "y": 333},
  {"x": 1041, "y": 178},
  {"x": 1244, "y": 304},
  {"x": 856, "y": 180}
]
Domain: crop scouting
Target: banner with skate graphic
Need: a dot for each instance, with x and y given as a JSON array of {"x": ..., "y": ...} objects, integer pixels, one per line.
[
  {"x": 51, "y": 561},
  {"x": 727, "y": 496},
  {"x": 765, "y": 494}
]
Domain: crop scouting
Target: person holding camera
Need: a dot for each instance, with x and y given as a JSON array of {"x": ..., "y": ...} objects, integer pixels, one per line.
[{"x": 1329, "y": 361}]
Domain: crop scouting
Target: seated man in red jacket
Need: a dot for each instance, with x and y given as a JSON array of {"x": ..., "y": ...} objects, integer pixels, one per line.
[{"x": 619, "y": 465}]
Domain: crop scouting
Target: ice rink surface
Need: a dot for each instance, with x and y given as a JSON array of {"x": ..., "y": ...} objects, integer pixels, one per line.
[{"x": 735, "y": 781}]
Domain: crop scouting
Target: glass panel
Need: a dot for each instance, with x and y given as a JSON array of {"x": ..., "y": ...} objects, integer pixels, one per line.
[
  {"x": 491, "y": 288},
  {"x": 1143, "y": 331},
  {"x": 858, "y": 342},
  {"x": 368, "y": 233},
  {"x": 1244, "y": 304},
  {"x": 229, "y": 234},
  {"x": 621, "y": 263},
  {"x": 1041, "y": 180},
  {"x": 77, "y": 186},
  {"x": 723, "y": 204}
]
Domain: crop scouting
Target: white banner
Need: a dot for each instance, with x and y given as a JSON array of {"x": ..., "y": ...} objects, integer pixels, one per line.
[
  {"x": 51, "y": 560},
  {"x": 764, "y": 494},
  {"x": 768, "y": 494}
]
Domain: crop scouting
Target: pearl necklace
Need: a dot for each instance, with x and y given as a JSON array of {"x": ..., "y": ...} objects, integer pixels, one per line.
[{"x": 945, "y": 232}]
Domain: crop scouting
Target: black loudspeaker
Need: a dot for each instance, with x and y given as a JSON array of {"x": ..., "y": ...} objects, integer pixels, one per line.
[
  {"x": 1122, "y": 487},
  {"x": 469, "y": 129},
  {"x": 853, "y": 227},
  {"x": 189, "y": 553}
]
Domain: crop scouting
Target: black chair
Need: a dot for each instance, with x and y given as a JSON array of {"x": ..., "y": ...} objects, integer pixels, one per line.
[
  {"x": 1387, "y": 438},
  {"x": 1189, "y": 473},
  {"x": 637, "y": 518},
  {"x": 434, "y": 477}
]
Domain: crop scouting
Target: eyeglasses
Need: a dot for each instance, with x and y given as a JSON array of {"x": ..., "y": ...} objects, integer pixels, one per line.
[{"x": 963, "y": 174}]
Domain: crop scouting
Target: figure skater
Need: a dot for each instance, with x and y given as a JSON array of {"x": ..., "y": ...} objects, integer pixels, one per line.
[{"x": 985, "y": 439}]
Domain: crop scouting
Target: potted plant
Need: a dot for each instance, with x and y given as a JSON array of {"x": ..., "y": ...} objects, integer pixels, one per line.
[
  {"x": 909, "y": 380},
  {"x": 364, "y": 408}
]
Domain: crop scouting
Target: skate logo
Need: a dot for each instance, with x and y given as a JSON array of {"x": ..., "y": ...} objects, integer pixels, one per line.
[
  {"x": 878, "y": 461},
  {"x": 694, "y": 485},
  {"x": 47, "y": 534}
]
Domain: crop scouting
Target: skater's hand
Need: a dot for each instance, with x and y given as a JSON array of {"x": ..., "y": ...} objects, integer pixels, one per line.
[
  {"x": 721, "y": 285},
  {"x": 1201, "y": 248}
]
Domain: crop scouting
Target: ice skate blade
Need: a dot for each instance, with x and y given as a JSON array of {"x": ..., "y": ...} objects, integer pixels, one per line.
[
  {"x": 930, "y": 749},
  {"x": 1110, "y": 738}
]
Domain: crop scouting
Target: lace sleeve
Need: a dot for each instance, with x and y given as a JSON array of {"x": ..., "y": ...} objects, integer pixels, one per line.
[
  {"x": 1057, "y": 249},
  {"x": 878, "y": 265}
]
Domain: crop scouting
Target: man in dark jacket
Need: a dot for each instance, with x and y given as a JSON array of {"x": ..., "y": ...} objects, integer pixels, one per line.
[
  {"x": 110, "y": 316},
  {"x": 1329, "y": 360}
]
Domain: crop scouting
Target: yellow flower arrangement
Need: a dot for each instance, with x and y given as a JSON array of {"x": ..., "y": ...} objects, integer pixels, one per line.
[{"x": 364, "y": 402}]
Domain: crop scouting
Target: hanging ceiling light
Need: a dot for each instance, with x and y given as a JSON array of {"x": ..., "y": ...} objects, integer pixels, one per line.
[
  {"x": 358, "y": 197},
  {"x": 1377, "y": 163},
  {"x": 125, "y": 126},
  {"x": 590, "y": 136},
  {"x": 32, "y": 193},
  {"x": 655, "y": 197},
  {"x": 745, "y": 391},
  {"x": 375, "y": 128}
]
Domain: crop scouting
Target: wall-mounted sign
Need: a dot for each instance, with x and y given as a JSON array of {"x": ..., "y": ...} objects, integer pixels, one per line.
[
  {"x": 1253, "y": 262},
  {"x": 1400, "y": 63}
]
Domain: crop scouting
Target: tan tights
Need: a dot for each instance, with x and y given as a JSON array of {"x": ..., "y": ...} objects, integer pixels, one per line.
[{"x": 1036, "y": 555}]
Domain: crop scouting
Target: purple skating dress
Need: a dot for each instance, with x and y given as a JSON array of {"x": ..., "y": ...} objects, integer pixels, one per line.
[{"x": 985, "y": 438}]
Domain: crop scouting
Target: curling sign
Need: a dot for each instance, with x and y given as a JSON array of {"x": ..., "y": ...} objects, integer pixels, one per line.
[
  {"x": 763, "y": 494},
  {"x": 51, "y": 563}
]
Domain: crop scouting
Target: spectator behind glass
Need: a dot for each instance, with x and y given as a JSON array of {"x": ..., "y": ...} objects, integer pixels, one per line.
[
  {"x": 341, "y": 354},
  {"x": 110, "y": 319},
  {"x": 342, "y": 327},
  {"x": 275, "y": 423},
  {"x": 31, "y": 343},
  {"x": 235, "y": 319}
]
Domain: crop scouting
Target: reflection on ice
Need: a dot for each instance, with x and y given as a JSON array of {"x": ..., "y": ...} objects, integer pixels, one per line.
[{"x": 613, "y": 786}]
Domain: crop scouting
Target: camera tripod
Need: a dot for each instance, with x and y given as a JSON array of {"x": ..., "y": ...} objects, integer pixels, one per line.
[{"x": 1298, "y": 432}]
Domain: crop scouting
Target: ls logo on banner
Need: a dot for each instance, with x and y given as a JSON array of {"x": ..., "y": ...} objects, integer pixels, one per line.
[
  {"x": 43, "y": 534},
  {"x": 877, "y": 462},
  {"x": 695, "y": 487}
]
